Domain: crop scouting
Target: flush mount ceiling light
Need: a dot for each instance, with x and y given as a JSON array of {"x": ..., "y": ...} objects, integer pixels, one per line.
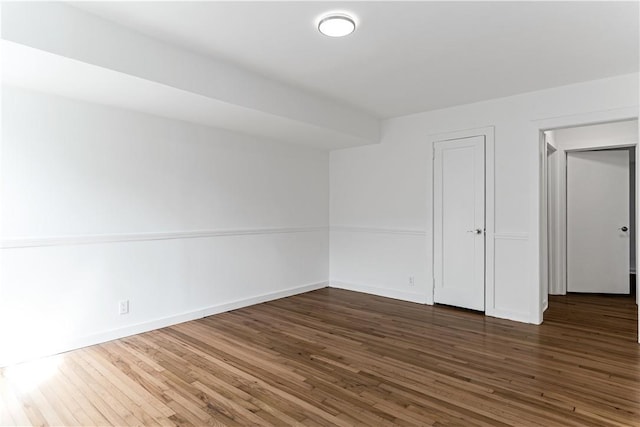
[{"x": 337, "y": 25}]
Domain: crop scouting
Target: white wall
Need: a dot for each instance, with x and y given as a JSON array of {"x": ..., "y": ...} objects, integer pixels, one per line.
[
  {"x": 385, "y": 189},
  {"x": 101, "y": 204},
  {"x": 597, "y": 136},
  {"x": 378, "y": 232}
]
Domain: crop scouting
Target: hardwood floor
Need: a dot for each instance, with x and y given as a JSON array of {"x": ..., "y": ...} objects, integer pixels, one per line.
[{"x": 333, "y": 357}]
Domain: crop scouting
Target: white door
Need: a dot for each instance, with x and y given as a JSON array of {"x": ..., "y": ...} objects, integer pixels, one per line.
[
  {"x": 459, "y": 222},
  {"x": 598, "y": 221}
]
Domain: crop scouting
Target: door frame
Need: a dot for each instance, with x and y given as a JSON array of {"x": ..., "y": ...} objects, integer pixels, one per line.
[
  {"x": 540, "y": 215},
  {"x": 489, "y": 203}
]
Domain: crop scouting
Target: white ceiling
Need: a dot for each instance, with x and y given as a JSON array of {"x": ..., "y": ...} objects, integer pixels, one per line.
[{"x": 405, "y": 57}]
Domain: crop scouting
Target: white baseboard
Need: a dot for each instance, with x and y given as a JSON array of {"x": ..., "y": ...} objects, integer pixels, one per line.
[
  {"x": 382, "y": 292},
  {"x": 509, "y": 315},
  {"x": 423, "y": 299},
  {"x": 151, "y": 325}
]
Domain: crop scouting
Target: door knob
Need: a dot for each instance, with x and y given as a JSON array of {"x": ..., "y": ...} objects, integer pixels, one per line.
[
  {"x": 476, "y": 231},
  {"x": 624, "y": 228}
]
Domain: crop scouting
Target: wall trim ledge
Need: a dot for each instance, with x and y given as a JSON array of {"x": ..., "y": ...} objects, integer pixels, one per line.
[
  {"x": 382, "y": 292},
  {"x": 511, "y": 236},
  {"x": 398, "y": 231},
  {"x": 32, "y": 242}
]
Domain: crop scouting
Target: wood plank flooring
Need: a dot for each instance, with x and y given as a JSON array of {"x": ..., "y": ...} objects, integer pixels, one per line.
[{"x": 334, "y": 357}]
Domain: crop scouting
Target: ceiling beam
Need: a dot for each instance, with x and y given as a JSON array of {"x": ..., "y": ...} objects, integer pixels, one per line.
[{"x": 71, "y": 33}]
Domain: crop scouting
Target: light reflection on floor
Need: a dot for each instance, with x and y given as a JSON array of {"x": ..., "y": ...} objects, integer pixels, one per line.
[{"x": 27, "y": 376}]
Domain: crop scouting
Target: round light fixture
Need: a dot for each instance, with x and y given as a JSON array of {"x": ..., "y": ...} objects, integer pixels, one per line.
[{"x": 337, "y": 25}]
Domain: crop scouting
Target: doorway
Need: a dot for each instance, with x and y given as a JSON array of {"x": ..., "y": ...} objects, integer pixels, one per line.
[
  {"x": 588, "y": 182},
  {"x": 459, "y": 222}
]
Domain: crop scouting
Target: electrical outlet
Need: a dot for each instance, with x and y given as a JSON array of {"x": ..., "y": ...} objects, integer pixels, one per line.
[
  {"x": 412, "y": 280},
  {"x": 123, "y": 307}
]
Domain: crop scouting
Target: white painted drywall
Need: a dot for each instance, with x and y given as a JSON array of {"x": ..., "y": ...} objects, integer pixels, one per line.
[
  {"x": 103, "y": 200},
  {"x": 389, "y": 187},
  {"x": 597, "y": 136}
]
